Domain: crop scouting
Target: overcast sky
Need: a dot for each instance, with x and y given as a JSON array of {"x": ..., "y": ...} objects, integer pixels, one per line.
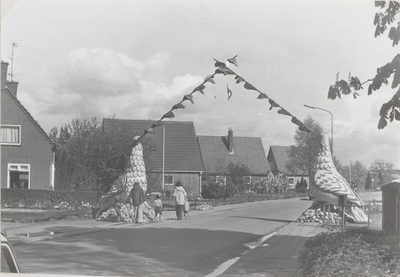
[{"x": 135, "y": 59}]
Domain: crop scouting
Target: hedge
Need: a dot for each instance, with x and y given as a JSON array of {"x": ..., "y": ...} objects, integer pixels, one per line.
[
  {"x": 46, "y": 199},
  {"x": 354, "y": 252}
]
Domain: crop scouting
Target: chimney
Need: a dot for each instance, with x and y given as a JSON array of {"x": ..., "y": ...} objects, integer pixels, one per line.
[
  {"x": 11, "y": 85},
  {"x": 230, "y": 140},
  {"x": 4, "y": 66}
]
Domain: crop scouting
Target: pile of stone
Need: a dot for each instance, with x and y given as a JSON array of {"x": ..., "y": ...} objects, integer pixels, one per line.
[
  {"x": 317, "y": 215},
  {"x": 125, "y": 213},
  {"x": 205, "y": 207}
]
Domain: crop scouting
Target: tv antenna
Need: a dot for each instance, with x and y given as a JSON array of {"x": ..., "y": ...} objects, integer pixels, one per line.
[{"x": 12, "y": 61}]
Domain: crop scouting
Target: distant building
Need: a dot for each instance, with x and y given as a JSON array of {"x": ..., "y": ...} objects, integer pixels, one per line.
[
  {"x": 277, "y": 159},
  {"x": 182, "y": 159},
  {"x": 218, "y": 151},
  {"x": 27, "y": 153}
]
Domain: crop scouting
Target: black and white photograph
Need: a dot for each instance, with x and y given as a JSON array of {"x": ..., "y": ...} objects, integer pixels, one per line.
[{"x": 200, "y": 138}]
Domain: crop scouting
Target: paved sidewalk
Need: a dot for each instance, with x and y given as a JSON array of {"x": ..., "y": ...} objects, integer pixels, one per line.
[{"x": 276, "y": 256}]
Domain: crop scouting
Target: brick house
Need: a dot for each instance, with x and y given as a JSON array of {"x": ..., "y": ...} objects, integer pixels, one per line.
[
  {"x": 182, "y": 159},
  {"x": 277, "y": 159},
  {"x": 218, "y": 151},
  {"x": 27, "y": 153}
]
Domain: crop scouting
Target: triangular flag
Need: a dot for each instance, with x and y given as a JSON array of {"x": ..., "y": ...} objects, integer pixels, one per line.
[
  {"x": 188, "y": 97},
  {"x": 249, "y": 86},
  {"x": 304, "y": 128},
  {"x": 219, "y": 64},
  {"x": 200, "y": 88},
  {"x": 285, "y": 112},
  {"x": 262, "y": 96},
  {"x": 178, "y": 106},
  {"x": 169, "y": 114},
  {"x": 239, "y": 79},
  {"x": 273, "y": 104},
  {"x": 209, "y": 78},
  {"x": 296, "y": 121},
  {"x": 157, "y": 123},
  {"x": 233, "y": 60},
  {"x": 224, "y": 70}
]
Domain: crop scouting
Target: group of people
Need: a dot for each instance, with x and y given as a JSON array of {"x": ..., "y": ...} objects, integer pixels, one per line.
[{"x": 137, "y": 198}]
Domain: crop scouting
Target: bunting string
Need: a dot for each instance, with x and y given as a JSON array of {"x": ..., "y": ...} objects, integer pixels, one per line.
[{"x": 222, "y": 68}]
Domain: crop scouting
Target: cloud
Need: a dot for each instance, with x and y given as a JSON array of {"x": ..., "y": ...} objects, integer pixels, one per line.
[
  {"x": 101, "y": 82},
  {"x": 99, "y": 71}
]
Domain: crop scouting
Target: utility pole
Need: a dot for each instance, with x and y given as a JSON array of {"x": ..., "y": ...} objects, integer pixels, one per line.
[{"x": 311, "y": 107}]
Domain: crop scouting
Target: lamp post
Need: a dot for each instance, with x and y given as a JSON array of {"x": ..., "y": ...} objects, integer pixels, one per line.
[
  {"x": 311, "y": 107},
  {"x": 163, "y": 159}
]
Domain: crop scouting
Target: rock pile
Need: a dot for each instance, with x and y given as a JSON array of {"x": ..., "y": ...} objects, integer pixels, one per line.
[
  {"x": 317, "y": 215},
  {"x": 205, "y": 207},
  {"x": 125, "y": 213}
]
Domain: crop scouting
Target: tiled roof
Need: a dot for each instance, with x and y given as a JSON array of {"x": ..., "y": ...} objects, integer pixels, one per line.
[
  {"x": 280, "y": 154},
  {"x": 246, "y": 150},
  {"x": 181, "y": 148},
  {"x": 27, "y": 113}
]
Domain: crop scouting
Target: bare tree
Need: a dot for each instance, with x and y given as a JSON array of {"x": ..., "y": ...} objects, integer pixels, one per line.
[{"x": 383, "y": 169}]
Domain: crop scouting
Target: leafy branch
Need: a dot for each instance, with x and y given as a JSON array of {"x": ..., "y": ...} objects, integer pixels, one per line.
[{"x": 391, "y": 109}]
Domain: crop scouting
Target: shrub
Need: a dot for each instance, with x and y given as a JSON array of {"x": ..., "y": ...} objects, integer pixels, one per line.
[
  {"x": 45, "y": 199},
  {"x": 301, "y": 186},
  {"x": 212, "y": 190},
  {"x": 354, "y": 252},
  {"x": 230, "y": 190}
]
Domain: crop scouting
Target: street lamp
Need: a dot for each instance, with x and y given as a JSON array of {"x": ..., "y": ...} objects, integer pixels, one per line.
[{"x": 307, "y": 106}]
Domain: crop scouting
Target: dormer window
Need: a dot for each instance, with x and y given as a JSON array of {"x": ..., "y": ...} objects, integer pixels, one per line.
[{"x": 10, "y": 134}]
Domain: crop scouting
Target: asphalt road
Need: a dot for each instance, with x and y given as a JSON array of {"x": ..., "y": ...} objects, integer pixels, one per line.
[{"x": 193, "y": 247}]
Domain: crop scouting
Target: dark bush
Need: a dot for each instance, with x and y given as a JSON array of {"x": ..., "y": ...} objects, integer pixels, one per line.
[
  {"x": 45, "y": 199},
  {"x": 230, "y": 190},
  {"x": 301, "y": 186},
  {"x": 212, "y": 190},
  {"x": 354, "y": 252}
]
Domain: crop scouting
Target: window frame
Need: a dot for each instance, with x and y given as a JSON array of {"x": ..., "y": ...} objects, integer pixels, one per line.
[
  {"x": 172, "y": 177},
  {"x": 244, "y": 180},
  {"x": 20, "y": 167},
  {"x": 19, "y": 134}
]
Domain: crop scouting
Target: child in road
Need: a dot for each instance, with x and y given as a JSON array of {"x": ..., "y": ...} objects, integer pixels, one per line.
[
  {"x": 158, "y": 208},
  {"x": 186, "y": 209}
]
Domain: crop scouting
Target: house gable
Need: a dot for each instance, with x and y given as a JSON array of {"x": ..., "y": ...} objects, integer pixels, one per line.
[
  {"x": 35, "y": 150},
  {"x": 182, "y": 152},
  {"x": 9, "y": 103},
  {"x": 278, "y": 155}
]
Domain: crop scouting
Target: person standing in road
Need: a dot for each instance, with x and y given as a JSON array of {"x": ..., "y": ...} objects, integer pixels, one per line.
[
  {"x": 158, "y": 208},
  {"x": 180, "y": 196},
  {"x": 186, "y": 209},
  {"x": 137, "y": 199}
]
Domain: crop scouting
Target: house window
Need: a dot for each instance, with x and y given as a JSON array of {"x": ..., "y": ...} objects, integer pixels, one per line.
[
  {"x": 247, "y": 179},
  {"x": 19, "y": 176},
  {"x": 221, "y": 179},
  {"x": 10, "y": 134},
  {"x": 169, "y": 180}
]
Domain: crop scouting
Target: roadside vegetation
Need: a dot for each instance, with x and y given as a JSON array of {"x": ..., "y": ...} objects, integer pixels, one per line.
[{"x": 353, "y": 252}]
